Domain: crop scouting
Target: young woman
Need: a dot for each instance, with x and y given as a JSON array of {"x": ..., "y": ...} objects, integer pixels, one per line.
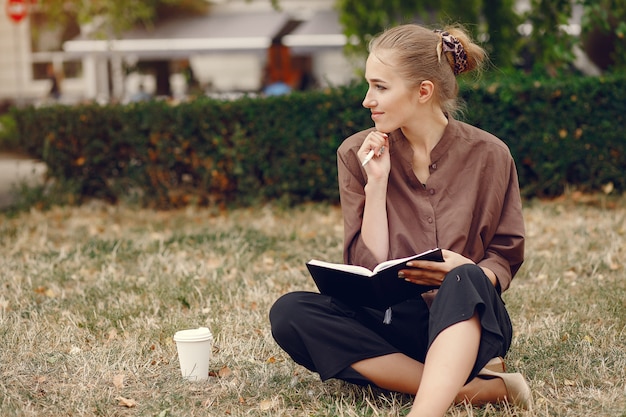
[{"x": 432, "y": 181}]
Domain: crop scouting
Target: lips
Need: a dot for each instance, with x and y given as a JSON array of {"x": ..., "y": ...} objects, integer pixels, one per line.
[{"x": 376, "y": 114}]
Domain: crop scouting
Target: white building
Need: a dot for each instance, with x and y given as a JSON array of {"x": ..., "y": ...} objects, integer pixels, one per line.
[
  {"x": 228, "y": 51},
  {"x": 16, "y": 76}
]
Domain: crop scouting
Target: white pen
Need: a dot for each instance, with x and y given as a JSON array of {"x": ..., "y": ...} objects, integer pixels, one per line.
[{"x": 370, "y": 155}]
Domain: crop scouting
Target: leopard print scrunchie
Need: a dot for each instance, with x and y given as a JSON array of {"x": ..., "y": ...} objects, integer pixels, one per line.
[{"x": 451, "y": 44}]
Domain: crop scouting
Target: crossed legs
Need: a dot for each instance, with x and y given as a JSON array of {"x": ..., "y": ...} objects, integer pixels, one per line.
[
  {"x": 440, "y": 381},
  {"x": 320, "y": 333}
]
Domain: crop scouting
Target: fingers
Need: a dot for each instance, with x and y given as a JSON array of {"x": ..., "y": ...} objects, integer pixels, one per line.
[
  {"x": 377, "y": 134},
  {"x": 376, "y": 139},
  {"x": 374, "y": 146},
  {"x": 422, "y": 276},
  {"x": 429, "y": 265},
  {"x": 433, "y": 273}
]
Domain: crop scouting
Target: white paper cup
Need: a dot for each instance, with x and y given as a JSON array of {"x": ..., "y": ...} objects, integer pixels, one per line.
[{"x": 194, "y": 352}]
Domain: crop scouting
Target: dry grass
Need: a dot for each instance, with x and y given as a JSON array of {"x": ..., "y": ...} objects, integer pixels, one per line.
[{"x": 91, "y": 298}]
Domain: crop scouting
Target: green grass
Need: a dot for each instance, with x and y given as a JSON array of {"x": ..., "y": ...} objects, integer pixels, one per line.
[{"x": 91, "y": 297}]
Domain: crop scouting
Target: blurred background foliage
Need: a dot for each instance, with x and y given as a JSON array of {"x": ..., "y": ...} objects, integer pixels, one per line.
[
  {"x": 493, "y": 21},
  {"x": 109, "y": 18},
  {"x": 539, "y": 39},
  {"x": 604, "y": 33}
]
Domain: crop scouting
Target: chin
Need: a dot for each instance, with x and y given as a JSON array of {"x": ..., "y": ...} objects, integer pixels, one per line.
[
  {"x": 379, "y": 126},
  {"x": 385, "y": 128}
]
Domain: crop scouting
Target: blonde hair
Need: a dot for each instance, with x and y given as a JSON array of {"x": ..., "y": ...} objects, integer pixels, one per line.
[{"x": 414, "y": 52}]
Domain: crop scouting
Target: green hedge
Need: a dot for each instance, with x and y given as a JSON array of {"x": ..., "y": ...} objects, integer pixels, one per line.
[
  {"x": 203, "y": 151},
  {"x": 254, "y": 149},
  {"x": 561, "y": 131}
]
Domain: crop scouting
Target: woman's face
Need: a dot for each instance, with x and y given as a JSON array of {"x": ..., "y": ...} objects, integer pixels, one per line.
[{"x": 389, "y": 97}]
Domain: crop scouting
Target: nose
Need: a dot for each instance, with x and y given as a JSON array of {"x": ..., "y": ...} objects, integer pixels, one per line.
[{"x": 368, "y": 102}]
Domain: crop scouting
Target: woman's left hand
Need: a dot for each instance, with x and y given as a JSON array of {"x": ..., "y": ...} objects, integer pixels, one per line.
[{"x": 432, "y": 273}]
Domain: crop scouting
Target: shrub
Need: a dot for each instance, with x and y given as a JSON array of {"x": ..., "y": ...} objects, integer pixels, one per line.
[{"x": 561, "y": 132}]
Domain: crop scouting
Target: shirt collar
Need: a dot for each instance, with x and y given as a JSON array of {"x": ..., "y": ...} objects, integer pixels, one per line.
[{"x": 401, "y": 145}]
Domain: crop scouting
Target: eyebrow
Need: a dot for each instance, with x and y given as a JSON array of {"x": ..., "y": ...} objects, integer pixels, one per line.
[{"x": 376, "y": 80}]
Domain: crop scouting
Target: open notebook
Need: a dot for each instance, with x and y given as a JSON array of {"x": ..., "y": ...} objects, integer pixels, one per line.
[{"x": 380, "y": 288}]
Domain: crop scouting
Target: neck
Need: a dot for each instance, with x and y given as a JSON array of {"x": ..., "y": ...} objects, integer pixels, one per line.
[{"x": 425, "y": 132}]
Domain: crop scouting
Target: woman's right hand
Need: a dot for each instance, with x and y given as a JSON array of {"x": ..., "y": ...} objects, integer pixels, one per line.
[
  {"x": 374, "y": 227},
  {"x": 379, "y": 166}
]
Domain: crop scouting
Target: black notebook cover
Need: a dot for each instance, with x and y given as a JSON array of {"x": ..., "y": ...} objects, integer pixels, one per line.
[{"x": 381, "y": 290}]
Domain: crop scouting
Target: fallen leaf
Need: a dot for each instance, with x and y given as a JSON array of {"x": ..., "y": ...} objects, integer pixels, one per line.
[
  {"x": 224, "y": 372},
  {"x": 126, "y": 402},
  {"x": 271, "y": 360},
  {"x": 266, "y": 405},
  {"x": 570, "y": 274},
  {"x": 4, "y": 303},
  {"x": 613, "y": 265},
  {"x": 112, "y": 334},
  {"x": 570, "y": 383},
  {"x": 118, "y": 381}
]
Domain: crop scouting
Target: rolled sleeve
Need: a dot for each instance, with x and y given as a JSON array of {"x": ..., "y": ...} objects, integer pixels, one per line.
[
  {"x": 351, "y": 178},
  {"x": 505, "y": 253}
]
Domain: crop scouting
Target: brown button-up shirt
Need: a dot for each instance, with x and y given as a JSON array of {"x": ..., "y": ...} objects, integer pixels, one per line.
[{"x": 470, "y": 204}]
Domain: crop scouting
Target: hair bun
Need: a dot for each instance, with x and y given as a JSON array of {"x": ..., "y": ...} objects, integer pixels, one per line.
[
  {"x": 450, "y": 44},
  {"x": 474, "y": 55}
]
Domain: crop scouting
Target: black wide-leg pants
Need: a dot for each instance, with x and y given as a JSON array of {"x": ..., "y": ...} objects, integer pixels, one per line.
[{"x": 326, "y": 335}]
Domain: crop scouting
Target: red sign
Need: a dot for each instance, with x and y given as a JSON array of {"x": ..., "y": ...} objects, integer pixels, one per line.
[{"x": 17, "y": 10}]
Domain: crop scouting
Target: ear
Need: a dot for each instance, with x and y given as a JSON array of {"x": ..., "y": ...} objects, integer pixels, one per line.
[{"x": 426, "y": 90}]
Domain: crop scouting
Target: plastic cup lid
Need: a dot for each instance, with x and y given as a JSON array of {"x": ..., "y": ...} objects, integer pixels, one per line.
[{"x": 193, "y": 335}]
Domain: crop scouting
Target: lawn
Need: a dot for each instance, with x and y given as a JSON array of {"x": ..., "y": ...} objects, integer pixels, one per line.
[{"x": 91, "y": 297}]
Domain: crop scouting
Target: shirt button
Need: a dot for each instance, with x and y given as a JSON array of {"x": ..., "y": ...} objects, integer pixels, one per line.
[
  {"x": 430, "y": 220},
  {"x": 434, "y": 166},
  {"x": 432, "y": 191}
]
